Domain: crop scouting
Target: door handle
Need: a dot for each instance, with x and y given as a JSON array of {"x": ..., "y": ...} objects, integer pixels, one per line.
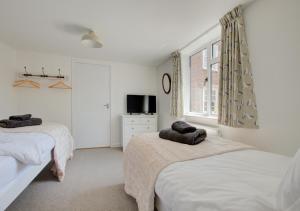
[{"x": 106, "y": 105}]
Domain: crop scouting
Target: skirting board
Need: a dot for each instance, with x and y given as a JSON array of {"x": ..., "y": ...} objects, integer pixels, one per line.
[{"x": 11, "y": 191}]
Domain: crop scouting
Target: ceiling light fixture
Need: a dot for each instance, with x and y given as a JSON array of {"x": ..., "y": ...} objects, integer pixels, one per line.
[{"x": 91, "y": 40}]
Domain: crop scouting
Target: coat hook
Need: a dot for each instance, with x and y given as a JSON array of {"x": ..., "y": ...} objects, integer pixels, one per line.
[
  {"x": 59, "y": 74},
  {"x": 26, "y": 72},
  {"x": 44, "y": 75}
]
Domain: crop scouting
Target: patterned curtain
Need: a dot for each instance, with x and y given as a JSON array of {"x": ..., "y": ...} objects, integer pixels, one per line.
[
  {"x": 176, "y": 100},
  {"x": 237, "y": 103}
]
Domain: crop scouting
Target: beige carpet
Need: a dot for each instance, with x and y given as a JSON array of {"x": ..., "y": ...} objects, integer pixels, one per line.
[{"x": 94, "y": 181}]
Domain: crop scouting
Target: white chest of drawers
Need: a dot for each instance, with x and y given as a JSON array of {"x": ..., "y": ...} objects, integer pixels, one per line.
[{"x": 137, "y": 124}]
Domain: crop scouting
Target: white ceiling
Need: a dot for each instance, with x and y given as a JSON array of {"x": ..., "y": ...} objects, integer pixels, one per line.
[{"x": 133, "y": 31}]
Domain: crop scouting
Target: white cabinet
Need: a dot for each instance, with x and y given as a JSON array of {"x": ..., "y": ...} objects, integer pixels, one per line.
[{"x": 137, "y": 124}]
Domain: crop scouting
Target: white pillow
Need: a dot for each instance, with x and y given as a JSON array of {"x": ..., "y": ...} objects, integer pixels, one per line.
[{"x": 288, "y": 196}]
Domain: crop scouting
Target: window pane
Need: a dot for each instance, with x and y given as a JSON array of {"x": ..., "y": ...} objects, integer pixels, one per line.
[
  {"x": 215, "y": 88},
  {"x": 199, "y": 81},
  {"x": 216, "y": 50},
  {"x": 204, "y": 59},
  {"x": 205, "y": 100}
]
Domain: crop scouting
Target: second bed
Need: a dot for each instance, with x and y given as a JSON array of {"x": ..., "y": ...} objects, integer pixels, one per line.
[{"x": 243, "y": 180}]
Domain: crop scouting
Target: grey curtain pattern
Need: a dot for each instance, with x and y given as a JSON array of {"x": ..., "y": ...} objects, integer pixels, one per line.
[
  {"x": 176, "y": 87},
  {"x": 237, "y": 103}
]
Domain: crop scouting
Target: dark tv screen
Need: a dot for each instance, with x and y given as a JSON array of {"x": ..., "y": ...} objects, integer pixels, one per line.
[{"x": 141, "y": 104}]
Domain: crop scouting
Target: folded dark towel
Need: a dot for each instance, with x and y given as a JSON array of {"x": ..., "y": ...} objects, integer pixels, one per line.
[
  {"x": 20, "y": 117},
  {"x": 6, "y": 123},
  {"x": 183, "y": 127},
  {"x": 193, "y": 138}
]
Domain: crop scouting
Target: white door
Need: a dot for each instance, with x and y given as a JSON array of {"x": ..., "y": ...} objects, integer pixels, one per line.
[{"x": 91, "y": 105}]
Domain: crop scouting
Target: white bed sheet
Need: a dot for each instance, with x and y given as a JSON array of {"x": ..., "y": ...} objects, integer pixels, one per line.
[
  {"x": 27, "y": 148},
  {"x": 244, "y": 180},
  {"x": 9, "y": 168},
  {"x": 22, "y": 179}
]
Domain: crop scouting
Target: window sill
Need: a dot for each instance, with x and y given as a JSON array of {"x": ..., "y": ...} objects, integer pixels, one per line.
[
  {"x": 191, "y": 114},
  {"x": 201, "y": 119}
]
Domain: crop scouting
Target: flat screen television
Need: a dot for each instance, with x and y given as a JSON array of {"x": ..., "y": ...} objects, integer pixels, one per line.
[{"x": 141, "y": 104}]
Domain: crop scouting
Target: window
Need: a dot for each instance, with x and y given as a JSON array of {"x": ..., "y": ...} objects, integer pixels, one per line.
[
  {"x": 204, "y": 80},
  {"x": 214, "y": 103},
  {"x": 199, "y": 79},
  {"x": 216, "y": 50},
  {"x": 204, "y": 59}
]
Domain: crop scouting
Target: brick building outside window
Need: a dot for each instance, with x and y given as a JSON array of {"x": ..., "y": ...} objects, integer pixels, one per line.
[{"x": 204, "y": 73}]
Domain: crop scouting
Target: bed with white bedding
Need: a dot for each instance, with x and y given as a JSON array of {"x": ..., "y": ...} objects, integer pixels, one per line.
[
  {"x": 215, "y": 175},
  {"x": 12, "y": 168},
  {"x": 245, "y": 180},
  {"x": 24, "y": 152},
  {"x": 147, "y": 155},
  {"x": 19, "y": 179}
]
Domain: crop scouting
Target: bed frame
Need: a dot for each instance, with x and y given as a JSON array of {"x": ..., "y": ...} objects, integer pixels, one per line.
[{"x": 12, "y": 190}]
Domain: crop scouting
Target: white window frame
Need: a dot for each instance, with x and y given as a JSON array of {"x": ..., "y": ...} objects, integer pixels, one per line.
[
  {"x": 216, "y": 101},
  {"x": 211, "y": 61}
]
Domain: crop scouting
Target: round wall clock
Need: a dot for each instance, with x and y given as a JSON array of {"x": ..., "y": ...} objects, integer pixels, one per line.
[{"x": 166, "y": 83}]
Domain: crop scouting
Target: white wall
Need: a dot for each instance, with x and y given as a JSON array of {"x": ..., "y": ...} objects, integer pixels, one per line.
[
  {"x": 50, "y": 104},
  {"x": 274, "y": 44},
  {"x": 164, "y": 100},
  {"x": 8, "y": 103},
  {"x": 128, "y": 79},
  {"x": 125, "y": 79},
  {"x": 55, "y": 104}
]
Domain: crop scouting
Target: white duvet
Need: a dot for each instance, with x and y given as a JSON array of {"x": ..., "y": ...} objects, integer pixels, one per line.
[
  {"x": 246, "y": 180},
  {"x": 26, "y": 144},
  {"x": 28, "y": 148}
]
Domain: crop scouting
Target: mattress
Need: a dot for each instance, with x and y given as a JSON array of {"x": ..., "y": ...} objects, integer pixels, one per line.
[{"x": 243, "y": 180}]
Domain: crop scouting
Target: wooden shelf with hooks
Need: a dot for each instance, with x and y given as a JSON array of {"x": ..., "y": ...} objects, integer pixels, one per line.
[{"x": 32, "y": 84}]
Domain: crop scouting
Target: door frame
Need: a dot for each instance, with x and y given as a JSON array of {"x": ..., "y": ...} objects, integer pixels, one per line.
[{"x": 92, "y": 62}]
